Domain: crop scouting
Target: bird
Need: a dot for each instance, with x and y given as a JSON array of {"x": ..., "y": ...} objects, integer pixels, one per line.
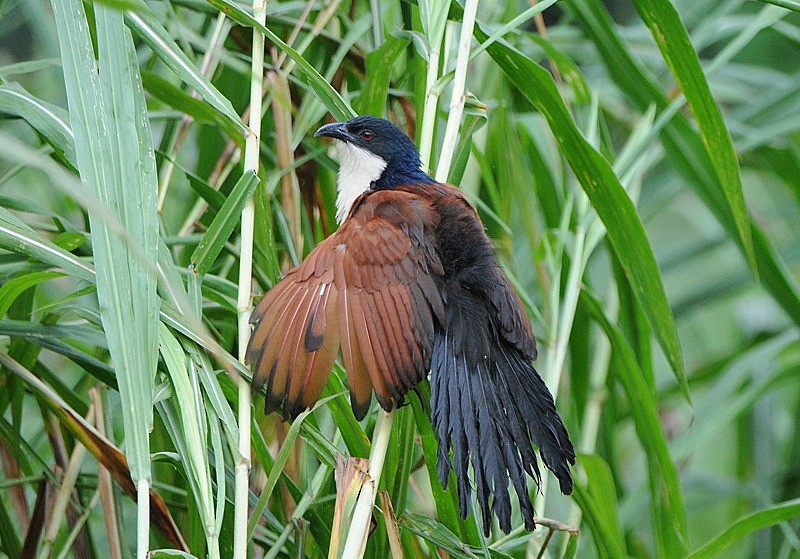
[{"x": 408, "y": 285}]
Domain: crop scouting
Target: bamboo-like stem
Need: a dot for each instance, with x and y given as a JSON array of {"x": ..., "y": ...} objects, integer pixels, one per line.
[
  {"x": 243, "y": 303},
  {"x": 142, "y": 518},
  {"x": 429, "y": 109},
  {"x": 459, "y": 90},
  {"x": 377, "y": 31},
  {"x": 359, "y": 523},
  {"x": 566, "y": 317}
]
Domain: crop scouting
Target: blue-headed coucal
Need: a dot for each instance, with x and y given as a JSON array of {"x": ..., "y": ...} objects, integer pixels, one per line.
[{"x": 408, "y": 284}]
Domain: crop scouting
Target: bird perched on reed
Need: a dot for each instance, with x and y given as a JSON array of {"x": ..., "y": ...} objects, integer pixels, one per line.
[{"x": 409, "y": 284}]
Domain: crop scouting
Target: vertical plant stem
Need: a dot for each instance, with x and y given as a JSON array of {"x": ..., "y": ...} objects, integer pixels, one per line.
[
  {"x": 429, "y": 109},
  {"x": 357, "y": 534},
  {"x": 459, "y": 90},
  {"x": 142, "y": 518},
  {"x": 377, "y": 30},
  {"x": 566, "y": 317},
  {"x": 242, "y": 471}
]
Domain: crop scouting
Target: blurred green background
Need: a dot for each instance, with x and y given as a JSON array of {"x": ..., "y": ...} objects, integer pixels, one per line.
[{"x": 580, "y": 109}]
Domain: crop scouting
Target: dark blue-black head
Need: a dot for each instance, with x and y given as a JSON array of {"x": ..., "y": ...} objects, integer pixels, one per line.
[
  {"x": 373, "y": 154},
  {"x": 376, "y": 135}
]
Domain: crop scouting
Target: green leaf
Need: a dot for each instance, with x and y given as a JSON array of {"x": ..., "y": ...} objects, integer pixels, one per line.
[
  {"x": 224, "y": 223},
  {"x": 15, "y": 287},
  {"x": 27, "y": 67},
  {"x": 18, "y": 237},
  {"x": 672, "y": 38},
  {"x": 50, "y": 121},
  {"x": 185, "y": 103},
  {"x": 444, "y": 539},
  {"x": 149, "y": 30},
  {"x": 686, "y": 151},
  {"x": 597, "y": 499},
  {"x": 669, "y": 520},
  {"x": 764, "y": 518},
  {"x": 793, "y": 5},
  {"x": 116, "y": 162},
  {"x": 380, "y": 64},
  {"x": 192, "y": 428},
  {"x": 610, "y": 201},
  {"x": 337, "y": 106},
  {"x": 446, "y": 501}
]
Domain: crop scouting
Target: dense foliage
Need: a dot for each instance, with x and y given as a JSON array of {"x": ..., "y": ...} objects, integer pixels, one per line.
[{"x": 637, "y": 165}]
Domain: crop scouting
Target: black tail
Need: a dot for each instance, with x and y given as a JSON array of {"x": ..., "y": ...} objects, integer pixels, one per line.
[{"x": 490, "y": 406}]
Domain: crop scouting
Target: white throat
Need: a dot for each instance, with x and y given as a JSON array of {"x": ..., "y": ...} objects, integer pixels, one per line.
[{"x": 358, "y": 168}]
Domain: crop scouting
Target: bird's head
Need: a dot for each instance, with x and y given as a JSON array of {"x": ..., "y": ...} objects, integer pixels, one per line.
[{"x": 373, "y": 154}]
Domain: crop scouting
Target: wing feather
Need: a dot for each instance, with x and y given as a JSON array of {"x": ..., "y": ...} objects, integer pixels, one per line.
[
  {"x": 371, "y": 290},
  {"x": 360, "y": 385}
]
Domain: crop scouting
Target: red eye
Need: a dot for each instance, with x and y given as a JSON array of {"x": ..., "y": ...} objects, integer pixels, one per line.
[{"x": 367, "y": 135}]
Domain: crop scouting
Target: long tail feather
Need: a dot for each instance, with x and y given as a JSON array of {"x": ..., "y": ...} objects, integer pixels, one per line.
[{"x": 491, "y": 408}]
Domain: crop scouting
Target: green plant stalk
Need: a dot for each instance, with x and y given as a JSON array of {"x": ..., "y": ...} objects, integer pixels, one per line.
[
  {"x": 142, "y": 518},
  {"x": 429, "y": 107},
  {"x": 563, "y": 329},
  {"x": 377, "y": 30},
  {"x": 242, "y": 470},
  {"x": 357, "y": 533},
  {"x": 458, "y": 92}
]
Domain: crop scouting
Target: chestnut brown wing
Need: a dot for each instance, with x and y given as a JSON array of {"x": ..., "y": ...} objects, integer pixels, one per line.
[{"x": 371, "y": 289}]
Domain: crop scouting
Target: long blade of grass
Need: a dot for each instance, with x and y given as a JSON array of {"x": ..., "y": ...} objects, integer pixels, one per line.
[
  {"x": 445, "y": 501},
  {"x": 672, "y": 38},
  {"x": 598, "y": 501},
  {"x": 669, "y": 511},
  {"x": 380, "y": 65},
  {"x": 49, "y": 120},
  {"x": 788, "y": 4},
  {"x": 115, "y": 159},
  {"x": 338, "y": 107},
  {"x": 18, "y": 237},
  {"x": 764, "y": 518},
  {"x": 194, "y": 439},
  {"x": 149, "y": 30},
  {"x": 610, "y": 201},
  {"x": 223, "y": 224},
  {"x": 125, "y": 289},
  {"x": 685, "y": 150}
]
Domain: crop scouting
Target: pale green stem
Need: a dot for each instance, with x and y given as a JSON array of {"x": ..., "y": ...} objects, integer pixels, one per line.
[
  {"x": 429, "y": 109},
  {"x": 243, "y": 306},
  {"x": 142, "y": 518},
  {"x": 357, "y": 535},
  {"x": 377, "y": 31},
  {"x": 459, "y": 89},
  {"x": 598, "y": 374}
]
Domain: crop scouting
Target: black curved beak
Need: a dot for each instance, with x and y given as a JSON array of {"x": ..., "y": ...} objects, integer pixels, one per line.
[{"x": 336, "y": 130}]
